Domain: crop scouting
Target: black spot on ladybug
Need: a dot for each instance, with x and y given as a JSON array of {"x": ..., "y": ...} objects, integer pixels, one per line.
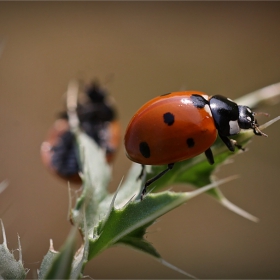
[
  {"x": 190, "y": 142},
  {"x": 198, "y": 101},
  {"x": 165, "y": 94},
  {"x": 145, "y": 149},
  {"x": 168, "y": 118}
]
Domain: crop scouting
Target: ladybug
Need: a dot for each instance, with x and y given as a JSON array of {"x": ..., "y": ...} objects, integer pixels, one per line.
[
  {"x": 180, "y": 125},
  {"x": 98, "y": 119}
]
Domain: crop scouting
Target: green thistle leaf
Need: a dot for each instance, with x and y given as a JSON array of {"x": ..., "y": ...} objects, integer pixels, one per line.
[{"x": 10, "y": 268}]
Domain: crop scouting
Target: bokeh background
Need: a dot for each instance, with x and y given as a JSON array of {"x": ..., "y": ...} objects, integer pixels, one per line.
[{"x": 148, "y": 48}]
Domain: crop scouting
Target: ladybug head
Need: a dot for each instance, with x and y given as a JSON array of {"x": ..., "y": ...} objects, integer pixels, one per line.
[
  {"x": 247, "y": 120},
  {"x": 95, "y": 92}
]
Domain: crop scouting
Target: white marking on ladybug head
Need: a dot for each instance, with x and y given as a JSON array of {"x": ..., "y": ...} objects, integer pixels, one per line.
[
  {"x": 207, "y": 109},
  {"x": 248, "y": 118},
  {"x": 234, "y": 127},
  {"x": 248, "y": 109}
]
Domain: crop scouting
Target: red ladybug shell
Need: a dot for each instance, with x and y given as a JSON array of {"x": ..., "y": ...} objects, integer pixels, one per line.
[{"x": 170, "y": 128}]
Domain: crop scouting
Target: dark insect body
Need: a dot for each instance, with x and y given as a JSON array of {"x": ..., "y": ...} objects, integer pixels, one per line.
[{"x": 97, "y": 118}]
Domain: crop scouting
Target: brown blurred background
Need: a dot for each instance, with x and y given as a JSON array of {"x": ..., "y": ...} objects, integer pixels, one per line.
[{"x": 151, "y": 48}]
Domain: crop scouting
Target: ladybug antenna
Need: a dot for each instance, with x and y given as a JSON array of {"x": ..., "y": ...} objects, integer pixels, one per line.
[{"x": 261, "y": 113}]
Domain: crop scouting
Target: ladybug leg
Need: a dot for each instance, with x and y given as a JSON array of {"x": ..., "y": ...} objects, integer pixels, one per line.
[
  {"x": 228, "y": 142},
  {"x": 149, "y": 182},
  {"x": 237, "y": 145},
  {"x": 141, "y": 173},
  {"x": 209, "y": 156},
  {"x": 231, "y": 144}
]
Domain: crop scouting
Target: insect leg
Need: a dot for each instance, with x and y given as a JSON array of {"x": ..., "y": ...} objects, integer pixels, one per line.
[
  {"x": 141, "y": 173},
  {"x": 237, "y": 145},
  {"x": 228, "y": 142},
  {"x": 209, "y": 156},
  {"x": 231, "y": 144},
  {"x": 149, "y": 182}
]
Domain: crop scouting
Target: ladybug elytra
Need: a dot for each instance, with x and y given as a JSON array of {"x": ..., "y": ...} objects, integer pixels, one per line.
[{"x": 181, "y": 125}]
